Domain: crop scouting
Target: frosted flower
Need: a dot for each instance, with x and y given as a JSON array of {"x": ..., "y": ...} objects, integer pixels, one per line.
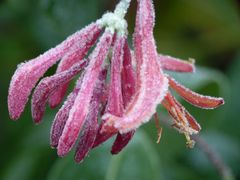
[
  {"x": 152, "y": 84},
  {"x": 97, "y": 109}
]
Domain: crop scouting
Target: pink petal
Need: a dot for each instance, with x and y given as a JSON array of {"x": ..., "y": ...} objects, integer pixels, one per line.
[
  {"x": 128, "y": 89},
  {"x": 115, "y": 99},
  {"x": 91, "y": 125},
  {"x": 48, "y": 85},
  {"x": 128, "y": 76},
  {"x": 195, "y": 98},
  {"x": 62, "y": 116},
  {"x": 173, "y": 64},
  {"x": 121, "y": 141},
  {"x": 76, "y": 54},
  {"x": 88, "y": 137},
  {"x": 184, "y": 121},
  {"x": 151, "y": 84},
  {"x": 27, "y": 74},
  {"x": 81, "y": 105},
  {"x": 101, "y": 137}
]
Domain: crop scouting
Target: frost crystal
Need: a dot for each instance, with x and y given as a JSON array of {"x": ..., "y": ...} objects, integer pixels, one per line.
[{"x": 98, "y": 109}]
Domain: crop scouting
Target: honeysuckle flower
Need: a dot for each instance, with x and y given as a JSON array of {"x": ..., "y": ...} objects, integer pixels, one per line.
[
  {"x": 152, "y": 84},
  {"x": 98, "y": 108}
]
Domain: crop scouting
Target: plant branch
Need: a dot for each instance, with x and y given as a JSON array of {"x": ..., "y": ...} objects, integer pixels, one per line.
[
  {"x": 209, "y": 152},
  {"x": 213, "y": 157}
]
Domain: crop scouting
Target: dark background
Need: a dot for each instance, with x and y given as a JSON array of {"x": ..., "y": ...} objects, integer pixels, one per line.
[{"x": 208, "y": 31}]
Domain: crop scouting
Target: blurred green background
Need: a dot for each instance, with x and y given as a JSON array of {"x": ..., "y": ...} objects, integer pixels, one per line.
[{"x": 208, "y": 31}]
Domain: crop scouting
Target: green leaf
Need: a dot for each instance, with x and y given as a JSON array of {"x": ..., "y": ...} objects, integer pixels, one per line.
[
  {"x": 27, "y": 162},
  {"x": 138, "y": 161}
]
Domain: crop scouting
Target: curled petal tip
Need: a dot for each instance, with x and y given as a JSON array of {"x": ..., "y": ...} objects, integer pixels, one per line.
[
  {"x": 184, "y": 122},
  {"x": 221, "y": 101}
]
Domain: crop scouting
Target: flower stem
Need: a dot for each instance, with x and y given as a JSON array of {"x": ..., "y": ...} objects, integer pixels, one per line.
[
  {"x": 214, "y": 158},
  {"x": 114, "y": 21},
  {"x": 121, "y": 8}
]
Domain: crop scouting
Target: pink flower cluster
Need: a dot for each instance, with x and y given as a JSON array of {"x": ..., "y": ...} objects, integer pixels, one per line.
[{"x": 100, "y": 107}]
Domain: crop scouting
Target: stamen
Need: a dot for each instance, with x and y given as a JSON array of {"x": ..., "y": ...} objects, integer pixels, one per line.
[
  {"x": 159, "y": 129},
  {"x": 183, "y": 121},
  {"x": 190, "y": 143}
]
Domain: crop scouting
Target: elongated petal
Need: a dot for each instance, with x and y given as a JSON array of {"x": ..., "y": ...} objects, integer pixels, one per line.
[
  {"x": 48, "y": 85},
  {"x": 128, "y": 89},
  {"x": 76, "y": 54},
  {"x": 151, "y": 84},
  {"x": 184, "y": 122},
  {"x": 81, "y": 105},
  {"x": 173, "y": 64},
  {"x": 128, "y": 76},
  {"x": 88, "y": 137},
  {"x": 115, "y": 99},
  {"x": 27, "y": 74},
  {"x": 91, "y": 125},
  {"x": 62, "y": 115},
  {"x": 102, "y": 137},
  {"x": 195, "y": 99}
]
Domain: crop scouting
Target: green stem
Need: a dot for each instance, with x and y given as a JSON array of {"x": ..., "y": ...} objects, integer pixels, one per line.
[{"x": 121, "y": 8}]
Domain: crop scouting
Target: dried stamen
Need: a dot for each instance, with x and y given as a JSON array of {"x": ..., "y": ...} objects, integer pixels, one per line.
[{"x": 159, "y": 129}]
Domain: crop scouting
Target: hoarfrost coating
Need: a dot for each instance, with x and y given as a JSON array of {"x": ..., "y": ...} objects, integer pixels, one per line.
[{"x": 100, "y": 107}]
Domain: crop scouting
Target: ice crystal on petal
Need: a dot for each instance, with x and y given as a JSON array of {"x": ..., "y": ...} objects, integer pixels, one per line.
[
  {"x": 27, "y": 74},
  {"x": 151, "y": 83},
  {"x": 81, "y": 106},
  {"x": 115, "y": 99},
  {"x": 173, "y": 64},
  {"x": 76, "y": 54},
  {"x": 96, "y": 109},
  {"x": 91, "y": 125},
  {"x": 48, "y": 85},
  {"x": 196, "y": 99},
  {"x": 62, "y": 116}
]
